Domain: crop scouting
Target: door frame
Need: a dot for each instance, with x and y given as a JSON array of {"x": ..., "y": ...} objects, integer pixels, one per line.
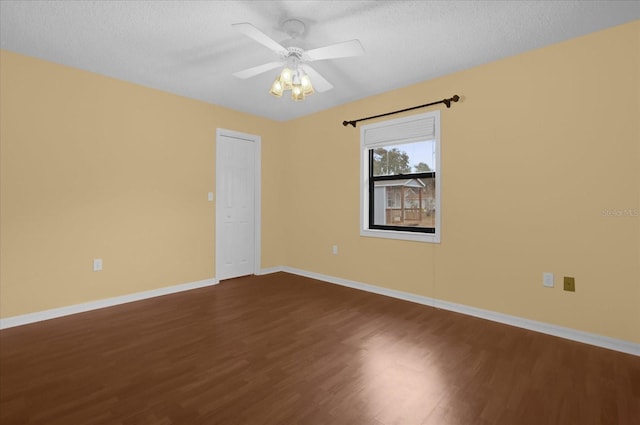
[{"x": 257, "y": 218}]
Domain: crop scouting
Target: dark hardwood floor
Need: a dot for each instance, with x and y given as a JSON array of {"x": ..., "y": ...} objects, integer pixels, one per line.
[{"x": 283, "y": 349}]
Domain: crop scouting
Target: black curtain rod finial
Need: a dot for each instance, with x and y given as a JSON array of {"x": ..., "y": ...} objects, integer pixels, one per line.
[
  {"x": 447, "y": 102},
  {"x": 346, "y": 123}
]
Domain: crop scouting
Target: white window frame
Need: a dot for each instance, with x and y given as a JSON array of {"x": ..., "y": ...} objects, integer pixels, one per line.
[{"x": 393, "y": 132}]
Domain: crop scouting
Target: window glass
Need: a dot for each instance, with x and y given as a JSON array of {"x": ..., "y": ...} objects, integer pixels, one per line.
[
  {"x": 418, "y": 157},
  {"x": 406, "y": 202}
]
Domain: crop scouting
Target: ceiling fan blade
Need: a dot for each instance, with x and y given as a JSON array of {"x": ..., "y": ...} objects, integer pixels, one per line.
[
  {"x": 341, "y": 50},
  {"x": 254, "y": 33},
  {"x": 256, "y": 70},
  {"x": 320, "y": 84}
]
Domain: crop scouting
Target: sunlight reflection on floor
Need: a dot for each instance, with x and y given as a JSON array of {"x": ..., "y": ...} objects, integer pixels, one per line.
[{"x": 401, "y": 385}]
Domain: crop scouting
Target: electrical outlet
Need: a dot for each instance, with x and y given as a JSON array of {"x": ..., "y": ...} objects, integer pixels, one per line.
[
  {"x": 569, "y": 284},
  {"x": 334, "y": 250},
  {"x": 547, "y": 280}
]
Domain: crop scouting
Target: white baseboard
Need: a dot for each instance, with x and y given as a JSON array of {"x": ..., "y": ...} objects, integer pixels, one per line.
[
  {"x": 25, "y": 319},
  {"x": 559, "y": 331},
  {"x": 270, "y": 270}
]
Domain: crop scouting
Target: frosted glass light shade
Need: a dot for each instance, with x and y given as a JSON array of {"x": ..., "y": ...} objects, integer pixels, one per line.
[
  {"x": 286, "y": 78},
  {"x": 296, "y": 92},
  {"x": 276, "y": 88},
  {"x": 307, "y": 88}
]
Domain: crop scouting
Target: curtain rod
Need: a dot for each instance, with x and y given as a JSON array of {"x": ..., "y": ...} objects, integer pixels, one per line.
[{"x": 447, "y": 102}]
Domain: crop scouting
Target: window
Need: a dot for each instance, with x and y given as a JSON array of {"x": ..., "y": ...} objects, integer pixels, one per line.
[{"x": 400, "y": 178}]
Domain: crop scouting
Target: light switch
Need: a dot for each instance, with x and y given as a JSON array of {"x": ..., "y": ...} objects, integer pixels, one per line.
[{"x": 210, "y": 196}]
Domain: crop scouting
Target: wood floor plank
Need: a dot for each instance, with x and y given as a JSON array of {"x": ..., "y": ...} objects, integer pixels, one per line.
[{"x": 284, "y": 349}]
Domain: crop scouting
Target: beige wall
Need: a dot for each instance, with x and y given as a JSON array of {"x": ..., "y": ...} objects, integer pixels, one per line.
[
  {"x": 541, "y": 144},
  {"x": 94, "y": 167}
]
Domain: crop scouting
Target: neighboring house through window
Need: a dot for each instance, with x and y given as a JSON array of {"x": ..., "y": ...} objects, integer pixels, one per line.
[{"x": 400, "y": 178}]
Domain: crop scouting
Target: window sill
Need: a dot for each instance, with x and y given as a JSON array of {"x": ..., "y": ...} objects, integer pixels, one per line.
[{"x": 398, "y": 235}]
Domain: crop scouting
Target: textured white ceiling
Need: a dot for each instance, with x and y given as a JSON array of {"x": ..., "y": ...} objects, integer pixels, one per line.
[{"x": 190, "y": 48}]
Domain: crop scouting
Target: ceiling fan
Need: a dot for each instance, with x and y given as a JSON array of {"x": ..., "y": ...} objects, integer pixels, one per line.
[{"x": 297, "y": 75}]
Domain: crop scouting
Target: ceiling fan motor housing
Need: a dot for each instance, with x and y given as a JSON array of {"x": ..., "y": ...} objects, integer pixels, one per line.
[{"x": 294, "y": 54}]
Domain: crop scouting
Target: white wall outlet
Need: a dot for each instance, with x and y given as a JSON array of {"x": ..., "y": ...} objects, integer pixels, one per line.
[
  {"x": 210, "y": 196},
  {"x": 547, "y": 279},
  {"x": 97, "y": 264},
  {"x": 334, "y": 250}
]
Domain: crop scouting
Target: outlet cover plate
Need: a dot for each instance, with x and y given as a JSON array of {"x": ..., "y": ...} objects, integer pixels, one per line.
[
  {"x": 547, "y": 280},
  {"x": 569, "y": 284},
  {"x": 97, "y": 264}
]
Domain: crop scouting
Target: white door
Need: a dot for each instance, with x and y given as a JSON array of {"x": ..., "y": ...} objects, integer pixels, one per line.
[{"x": 236, "y": 159}]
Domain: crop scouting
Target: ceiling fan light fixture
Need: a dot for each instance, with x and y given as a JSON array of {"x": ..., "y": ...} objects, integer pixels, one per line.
[{"x": 297, "y": 81}]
